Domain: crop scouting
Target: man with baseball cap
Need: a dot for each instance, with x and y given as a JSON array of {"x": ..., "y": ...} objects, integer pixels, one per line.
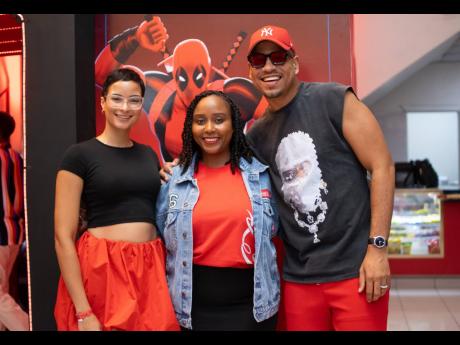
[{"x": 334, "y": 223}]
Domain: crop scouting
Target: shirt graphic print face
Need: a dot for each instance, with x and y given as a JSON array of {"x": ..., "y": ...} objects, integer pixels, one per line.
[{"x": 302, "y": 183}]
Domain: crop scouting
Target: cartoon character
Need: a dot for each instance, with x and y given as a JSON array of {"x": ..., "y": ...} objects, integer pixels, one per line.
[
  {"x": 189, "y": 71},
  {"x": 301, "y": 176}
]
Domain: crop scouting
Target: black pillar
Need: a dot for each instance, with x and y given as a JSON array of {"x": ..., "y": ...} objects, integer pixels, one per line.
[{"x": 59, "y": 77}]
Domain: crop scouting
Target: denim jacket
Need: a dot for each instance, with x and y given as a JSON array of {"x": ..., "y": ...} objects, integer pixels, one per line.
[{"x": 174, "y": 213}]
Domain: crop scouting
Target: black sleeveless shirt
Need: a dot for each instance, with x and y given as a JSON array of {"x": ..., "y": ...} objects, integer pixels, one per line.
[
  {"x": 120, "y": 184},
  {"x": 321, "y": 187}
]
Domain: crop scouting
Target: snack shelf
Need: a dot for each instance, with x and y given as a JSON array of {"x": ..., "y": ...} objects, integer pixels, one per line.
[{"x": 417, "y": 227}]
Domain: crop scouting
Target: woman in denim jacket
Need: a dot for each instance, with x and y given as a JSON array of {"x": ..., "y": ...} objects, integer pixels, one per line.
[{"x": 217, "y": 217}]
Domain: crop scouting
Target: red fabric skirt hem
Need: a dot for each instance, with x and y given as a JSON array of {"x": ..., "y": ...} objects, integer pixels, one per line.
[{"x": 125, "y": 283}]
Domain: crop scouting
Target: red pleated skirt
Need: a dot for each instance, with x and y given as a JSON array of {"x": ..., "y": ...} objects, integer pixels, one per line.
[{"x": 125, "y": 284}]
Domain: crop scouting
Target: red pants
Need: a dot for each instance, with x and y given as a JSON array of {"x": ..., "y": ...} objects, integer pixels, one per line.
[{"x": 332, "y": 306}]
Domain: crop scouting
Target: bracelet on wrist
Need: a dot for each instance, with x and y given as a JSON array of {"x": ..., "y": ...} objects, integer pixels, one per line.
[{"x": 83, "y": 315}]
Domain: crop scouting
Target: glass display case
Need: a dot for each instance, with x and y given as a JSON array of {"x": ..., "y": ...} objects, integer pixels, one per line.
[{"x": 416, "y": 226}]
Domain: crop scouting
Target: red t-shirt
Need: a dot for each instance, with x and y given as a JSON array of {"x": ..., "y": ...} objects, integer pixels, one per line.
[{"x": 223, "y": 234}]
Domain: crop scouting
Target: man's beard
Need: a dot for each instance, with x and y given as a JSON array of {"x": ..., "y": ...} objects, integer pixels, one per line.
[
  {"x": 273, "y": 93},
  {"x": 304, "y": 192}
]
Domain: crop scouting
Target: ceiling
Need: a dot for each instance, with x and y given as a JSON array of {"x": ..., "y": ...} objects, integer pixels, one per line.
[
  {"x": 447, "y": 52},
  {"x": 453, "y": 52}
]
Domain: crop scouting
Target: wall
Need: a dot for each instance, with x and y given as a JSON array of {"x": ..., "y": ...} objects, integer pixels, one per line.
[
  {"x": 435, "y": 87},
  {"x": 387, "y": 45},
  {"x": 59, "y": 112}
]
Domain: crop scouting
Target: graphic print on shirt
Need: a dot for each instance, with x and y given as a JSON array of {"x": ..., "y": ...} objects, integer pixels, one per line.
[
  {"x": 248, "y": 236},
  {"x": 302, "y": 182}
]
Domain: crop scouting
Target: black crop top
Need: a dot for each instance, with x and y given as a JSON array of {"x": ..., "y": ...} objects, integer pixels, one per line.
[{"x": 120, "y": 184}]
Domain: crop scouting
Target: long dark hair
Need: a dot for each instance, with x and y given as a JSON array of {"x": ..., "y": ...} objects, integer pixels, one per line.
[{"x": 238, "y": 145}]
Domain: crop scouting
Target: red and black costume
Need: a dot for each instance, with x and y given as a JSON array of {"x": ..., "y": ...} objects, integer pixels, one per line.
[{"x": 167, "y": 96}]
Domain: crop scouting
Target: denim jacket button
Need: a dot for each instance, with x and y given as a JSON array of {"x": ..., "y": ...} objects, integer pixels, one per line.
[
  {"x": 183, "y": 294},
  {"x": 184, "y": 263},
  {"x": 184, "y": 236}
]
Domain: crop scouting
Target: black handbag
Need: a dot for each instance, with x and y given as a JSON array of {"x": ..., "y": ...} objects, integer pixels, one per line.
[
  {"x": 405, "y": 175},
  {"x": 415, "y": 174},
  {"x": 426, "y": 174}
]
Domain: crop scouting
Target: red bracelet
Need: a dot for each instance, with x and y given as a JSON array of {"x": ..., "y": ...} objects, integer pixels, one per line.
[{"x": 83, "y": 315}]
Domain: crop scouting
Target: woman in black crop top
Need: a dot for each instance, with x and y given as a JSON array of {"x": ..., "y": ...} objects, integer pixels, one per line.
[{"x": 113, "y": 276}]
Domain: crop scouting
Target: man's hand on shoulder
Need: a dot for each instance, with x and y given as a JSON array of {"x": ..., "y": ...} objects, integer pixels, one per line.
[{"x": 166, "y": 170}]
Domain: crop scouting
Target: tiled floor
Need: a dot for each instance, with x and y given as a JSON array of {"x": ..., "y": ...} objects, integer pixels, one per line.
[{"x": 424, "y": 304}]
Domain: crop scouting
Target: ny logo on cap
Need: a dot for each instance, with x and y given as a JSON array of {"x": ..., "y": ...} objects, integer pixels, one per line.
[{"x": 266, "y": 32}]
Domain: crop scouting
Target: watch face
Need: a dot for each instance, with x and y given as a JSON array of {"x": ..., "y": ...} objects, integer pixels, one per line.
[{"x": 380, "y": 241}]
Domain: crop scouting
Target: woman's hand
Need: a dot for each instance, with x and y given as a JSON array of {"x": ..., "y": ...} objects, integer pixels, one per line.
[{"x": 89, "y": 323}]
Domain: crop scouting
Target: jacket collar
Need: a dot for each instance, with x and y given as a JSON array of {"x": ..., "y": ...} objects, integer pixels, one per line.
[
  {"x": 254, "y": 167},
  {"x": 188, "y": 175}
]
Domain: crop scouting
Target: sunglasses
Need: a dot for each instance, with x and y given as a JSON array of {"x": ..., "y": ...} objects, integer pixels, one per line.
[{"x": 258, "y": 60}]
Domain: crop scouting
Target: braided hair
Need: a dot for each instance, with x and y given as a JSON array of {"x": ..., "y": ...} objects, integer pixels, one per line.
[{"x": 239, "y": 148}]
